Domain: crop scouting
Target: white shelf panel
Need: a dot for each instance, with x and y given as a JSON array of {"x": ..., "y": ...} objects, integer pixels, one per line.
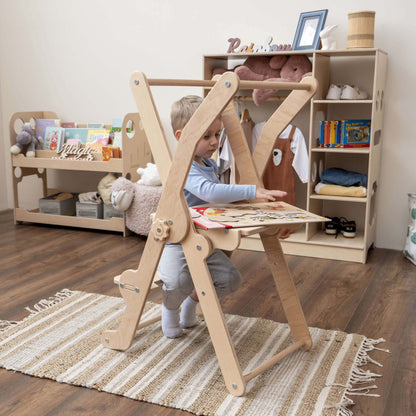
[
  {"x": 342, "y": 101},
  {"x": 352, "y": 150}
]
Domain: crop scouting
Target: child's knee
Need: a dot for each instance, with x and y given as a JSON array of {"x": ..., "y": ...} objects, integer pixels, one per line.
[
  {"x": 228, "y": 283},
  {"x": 235, "y": 280}
]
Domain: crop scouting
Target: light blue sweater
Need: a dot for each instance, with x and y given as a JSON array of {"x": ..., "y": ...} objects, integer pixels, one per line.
[{"x": 203, "y": 186}]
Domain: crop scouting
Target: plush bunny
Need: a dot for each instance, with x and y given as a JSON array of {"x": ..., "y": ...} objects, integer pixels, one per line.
[{"x": 27, "y": 139}]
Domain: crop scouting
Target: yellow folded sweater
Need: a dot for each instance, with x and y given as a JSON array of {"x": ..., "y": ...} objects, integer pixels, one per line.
[{"x": 338, "y": 190}]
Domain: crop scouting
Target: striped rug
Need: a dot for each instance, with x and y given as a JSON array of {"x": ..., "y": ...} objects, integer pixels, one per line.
[{"x": 60, "y": 340}]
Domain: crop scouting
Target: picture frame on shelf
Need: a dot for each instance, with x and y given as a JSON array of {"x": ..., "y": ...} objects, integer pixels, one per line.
[{"x": 307, "y": 32}]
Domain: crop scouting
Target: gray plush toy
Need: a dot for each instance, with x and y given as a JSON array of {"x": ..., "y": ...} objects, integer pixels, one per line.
[{"x": 27, "y": 138}]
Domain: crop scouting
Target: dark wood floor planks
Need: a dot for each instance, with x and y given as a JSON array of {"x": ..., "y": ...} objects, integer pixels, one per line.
[{"x": 377, "y": 299}]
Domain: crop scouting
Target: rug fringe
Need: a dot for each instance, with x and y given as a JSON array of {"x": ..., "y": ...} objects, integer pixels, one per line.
[
  {"x": 44, "y": 304},
  {"x": 5, "y": 325},
  {"x": 358, "y": 377}
]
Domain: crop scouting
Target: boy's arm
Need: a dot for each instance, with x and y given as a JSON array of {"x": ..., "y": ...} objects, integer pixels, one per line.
[{"x": 218, "y": 193}]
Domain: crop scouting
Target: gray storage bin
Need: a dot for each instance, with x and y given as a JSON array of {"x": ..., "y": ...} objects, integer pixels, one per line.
[
  {"x": 49, "y": 205},
  {"x": 89, "y": 210},
  {"x": 110, "y": 211}
]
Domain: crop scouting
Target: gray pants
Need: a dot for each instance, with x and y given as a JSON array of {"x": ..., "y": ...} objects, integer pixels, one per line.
[{"x": 177, "y": 282}]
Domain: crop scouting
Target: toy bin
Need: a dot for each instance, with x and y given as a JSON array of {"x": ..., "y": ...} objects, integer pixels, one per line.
[
  {"x": 110, "y": 211},
  {"x": 58, "y": 204},
  {"x": 89, "y": 210}
]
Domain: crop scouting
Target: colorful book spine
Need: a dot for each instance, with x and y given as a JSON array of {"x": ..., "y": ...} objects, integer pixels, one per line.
[
  {"x": 321, "y": 133},
  {"x": 327, "y": 136}
]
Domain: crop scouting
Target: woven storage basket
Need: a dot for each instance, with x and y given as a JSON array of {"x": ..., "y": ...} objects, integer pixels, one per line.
[{"x": 361, "y": 29}]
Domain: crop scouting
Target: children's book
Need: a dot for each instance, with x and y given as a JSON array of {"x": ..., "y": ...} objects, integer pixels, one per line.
[
  {"x": 54, "y": 138},
  {"x": 117, "y": 140},
  {"x": 98, "y": 136},
  {"x": 250, "y": 215},
  {"x": 68, "y": 124},
  {"x": 356, "y": 133},
  {"x": 80, "y": 134},
  {"x": 117, "y": 123},
  {"x": 42, "y": 123},
  {"x": 95, "y": 125}
]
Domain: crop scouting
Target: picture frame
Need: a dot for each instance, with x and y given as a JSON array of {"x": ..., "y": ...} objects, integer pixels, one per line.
[{"x": 307, "y": 33}]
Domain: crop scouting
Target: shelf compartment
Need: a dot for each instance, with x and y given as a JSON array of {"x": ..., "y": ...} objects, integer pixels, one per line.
[{"x": 113, "y": 224}]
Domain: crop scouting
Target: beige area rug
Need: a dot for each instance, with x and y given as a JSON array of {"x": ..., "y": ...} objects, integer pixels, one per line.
[{"x": 60, "y": 340}]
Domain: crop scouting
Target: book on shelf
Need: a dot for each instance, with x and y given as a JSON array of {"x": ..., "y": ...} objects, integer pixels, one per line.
[
  {"x": 68, "y": 124},
  {"x": 95, "y": 126},
  {"x": 43, "y": 123},
  {"x": 80, "y": 134},
  {"x": 344, "y": 133},
  {"x": 54, "y": 138},
  {"x": 98, "y": 136}
]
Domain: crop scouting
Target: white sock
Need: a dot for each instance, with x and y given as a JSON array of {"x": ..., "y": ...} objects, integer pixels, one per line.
[
  {"x": 188, "y": 313},
  {"x": 170, "y": 322}
]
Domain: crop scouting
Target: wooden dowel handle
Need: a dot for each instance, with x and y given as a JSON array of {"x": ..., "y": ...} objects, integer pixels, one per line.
[{"x": 244, "y": 85}]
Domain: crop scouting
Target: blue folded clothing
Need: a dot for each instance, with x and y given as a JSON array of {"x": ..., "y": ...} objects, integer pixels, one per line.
[{"x": 338, "y": 176}]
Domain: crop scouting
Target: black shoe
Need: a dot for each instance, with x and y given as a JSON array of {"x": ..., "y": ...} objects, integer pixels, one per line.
[
  {"x": 348, "y": 228},
  {"x": 333, "y": 227}
]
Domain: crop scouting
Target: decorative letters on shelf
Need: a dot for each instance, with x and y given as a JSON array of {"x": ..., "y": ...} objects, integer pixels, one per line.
[
  {"x": 266, "y": 47},
  {"x": 77, "y": 153}
]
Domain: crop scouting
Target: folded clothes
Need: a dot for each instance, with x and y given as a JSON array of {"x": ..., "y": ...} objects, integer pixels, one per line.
[
  {"x": 90, "y": 198},
  {"x": 338, "y": 176},
  {"x": 338, "y": 190}
]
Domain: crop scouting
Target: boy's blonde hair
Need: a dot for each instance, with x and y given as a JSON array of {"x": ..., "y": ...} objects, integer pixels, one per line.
[{"x": 183, "y": 110}]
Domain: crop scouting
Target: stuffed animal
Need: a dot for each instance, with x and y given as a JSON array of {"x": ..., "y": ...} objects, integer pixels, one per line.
[
  {"x": 294, "y": 70},
  {"x": 261, "y": 68},
  {"x": 104, "y": 187},
  {"x": 27, "y": 139},
  {"x": 138, "y": 201},
  {"x": 149, "y": 175}
]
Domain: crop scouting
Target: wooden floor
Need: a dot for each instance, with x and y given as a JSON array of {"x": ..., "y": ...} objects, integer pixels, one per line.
[{"x": 377, "y": 299}]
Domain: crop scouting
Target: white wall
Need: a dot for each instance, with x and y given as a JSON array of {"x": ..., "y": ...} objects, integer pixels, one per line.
[{"x": 75, "y": 58}]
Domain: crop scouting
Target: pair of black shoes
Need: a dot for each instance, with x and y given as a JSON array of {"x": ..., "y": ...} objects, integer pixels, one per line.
[{"x": 340, "y": 225}]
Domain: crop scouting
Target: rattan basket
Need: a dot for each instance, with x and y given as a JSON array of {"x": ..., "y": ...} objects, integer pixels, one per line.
[{"x": 361, "y": 29}]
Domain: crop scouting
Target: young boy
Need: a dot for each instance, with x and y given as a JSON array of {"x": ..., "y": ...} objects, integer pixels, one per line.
[{"x": 202, "y": 186}]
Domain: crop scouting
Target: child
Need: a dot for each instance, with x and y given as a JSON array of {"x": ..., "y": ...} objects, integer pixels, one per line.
[{"x": 202, "y": 186}]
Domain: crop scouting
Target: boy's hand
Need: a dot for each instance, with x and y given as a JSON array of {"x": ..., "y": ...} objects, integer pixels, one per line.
[{"x": 270, "y": 195}]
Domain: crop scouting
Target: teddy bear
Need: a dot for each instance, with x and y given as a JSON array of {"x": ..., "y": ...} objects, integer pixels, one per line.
[
  {"x": 27, "y": 139},
  {"x": 276, "y": 68},
  {"x": 139, "y": 199}
]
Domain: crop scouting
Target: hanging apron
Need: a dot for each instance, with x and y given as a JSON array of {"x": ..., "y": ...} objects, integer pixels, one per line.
[{"x": 279, "y": 173}]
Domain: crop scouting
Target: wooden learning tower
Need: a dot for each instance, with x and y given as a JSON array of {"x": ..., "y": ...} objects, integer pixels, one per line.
[{"x": 173, "y": 223}]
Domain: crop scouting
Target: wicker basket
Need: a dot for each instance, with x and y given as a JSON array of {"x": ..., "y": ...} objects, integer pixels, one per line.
[{"x": 361, "y": 29}]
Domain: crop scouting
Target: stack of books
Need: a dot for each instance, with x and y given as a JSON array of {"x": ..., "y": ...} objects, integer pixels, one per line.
[{"x": 345, "y": 133}]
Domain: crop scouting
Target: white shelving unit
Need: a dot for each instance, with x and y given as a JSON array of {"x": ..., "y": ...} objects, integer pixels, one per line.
[
  {"x": 367, "y": 69},
  {"x": 136, "y": 153}
]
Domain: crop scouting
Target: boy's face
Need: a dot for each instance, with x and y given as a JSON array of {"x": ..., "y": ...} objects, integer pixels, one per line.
[{"x": 209, "y": 142}]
